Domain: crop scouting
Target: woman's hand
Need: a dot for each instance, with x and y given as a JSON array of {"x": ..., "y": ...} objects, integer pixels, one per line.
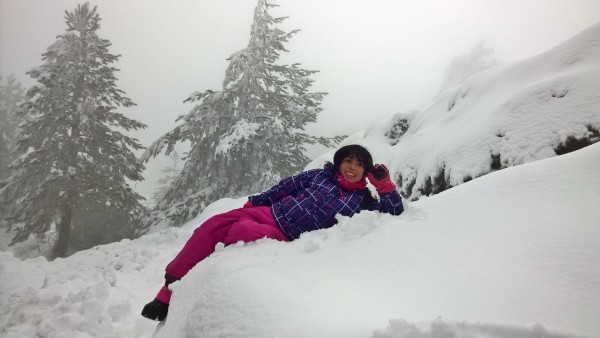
[{"x": 379, "y": 176}]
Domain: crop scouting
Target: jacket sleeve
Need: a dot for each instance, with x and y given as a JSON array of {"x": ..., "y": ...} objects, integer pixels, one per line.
[
  {"x": 390, "y": 203},
  {"x": 287, "y": 187}
]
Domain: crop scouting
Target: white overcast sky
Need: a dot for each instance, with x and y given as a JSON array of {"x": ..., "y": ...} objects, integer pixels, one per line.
[{"x": 375, "y": 57}]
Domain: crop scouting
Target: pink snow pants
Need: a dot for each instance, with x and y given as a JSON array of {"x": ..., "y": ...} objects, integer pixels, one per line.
[{"x": 246, "y": 225}]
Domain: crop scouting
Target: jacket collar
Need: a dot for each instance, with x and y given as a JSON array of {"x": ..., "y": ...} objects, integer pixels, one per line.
[
  {"x": 360, "y": 185},
  {"x": 344, "y": 183}
]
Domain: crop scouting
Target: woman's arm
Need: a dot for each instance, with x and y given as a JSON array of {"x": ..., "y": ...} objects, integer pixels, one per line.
[
  {"x": 390, "y": 201},
  {"x": 287, "y": 187}
]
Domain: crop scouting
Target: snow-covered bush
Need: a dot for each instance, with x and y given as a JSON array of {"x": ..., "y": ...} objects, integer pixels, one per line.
[{"x": 399, "y": 125}]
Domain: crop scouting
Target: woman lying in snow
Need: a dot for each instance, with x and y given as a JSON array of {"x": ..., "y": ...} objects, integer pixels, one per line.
[{"x": 305, "y": 202}]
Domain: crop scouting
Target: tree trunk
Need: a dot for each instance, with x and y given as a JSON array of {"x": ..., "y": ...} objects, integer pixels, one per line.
[{"x": 61, "y": 247}]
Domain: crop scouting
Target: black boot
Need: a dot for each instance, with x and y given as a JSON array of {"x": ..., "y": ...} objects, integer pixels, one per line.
[{"x": 156, "y": 310}]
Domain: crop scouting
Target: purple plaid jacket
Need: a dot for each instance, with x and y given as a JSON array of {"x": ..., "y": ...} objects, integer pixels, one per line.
[{"x": 310, "y": 200}]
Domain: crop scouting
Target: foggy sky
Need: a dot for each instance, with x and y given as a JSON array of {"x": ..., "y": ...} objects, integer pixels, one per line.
[{"x": 375, "y": 58}]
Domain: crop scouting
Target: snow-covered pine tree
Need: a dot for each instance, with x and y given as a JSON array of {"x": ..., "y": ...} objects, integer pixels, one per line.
[
  {"x": 72, "y": 140},
  {"x": 250, "y": 134},
  {"x": 11, "y": 95}
]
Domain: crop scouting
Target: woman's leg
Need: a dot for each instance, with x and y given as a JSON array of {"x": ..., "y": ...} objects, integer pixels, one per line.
[
  {"x": 245, "y": 225},
  {"x": 202, "y": 242},
  {"x": 199, "y": 246},
  {"x": 254, "y": 225}
]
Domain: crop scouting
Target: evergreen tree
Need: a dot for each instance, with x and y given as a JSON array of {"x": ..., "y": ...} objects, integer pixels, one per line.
[
  {"x": 11, "y": 95},
  {"x": 73, "y": 142},
  {"x": 249, "y": 135}
]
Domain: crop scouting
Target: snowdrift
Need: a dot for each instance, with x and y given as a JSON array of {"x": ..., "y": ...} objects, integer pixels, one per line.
[
  {"x": 510, "y": 254},
  {"x": 517, "y": 247},
  {"x": 505, "y": 116}
]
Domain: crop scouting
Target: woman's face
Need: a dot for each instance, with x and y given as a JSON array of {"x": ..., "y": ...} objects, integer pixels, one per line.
[{"x": 351, "y": 169}]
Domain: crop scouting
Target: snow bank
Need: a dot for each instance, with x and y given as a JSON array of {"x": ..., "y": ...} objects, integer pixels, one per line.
[
  {"x": 505, "y": 116},
  {"x": 518, "y": 247}
]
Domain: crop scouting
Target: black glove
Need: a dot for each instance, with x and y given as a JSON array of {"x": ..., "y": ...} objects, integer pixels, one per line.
[
  {"x": 379, "y": 176},
  {"x": 379, "y": 171}
]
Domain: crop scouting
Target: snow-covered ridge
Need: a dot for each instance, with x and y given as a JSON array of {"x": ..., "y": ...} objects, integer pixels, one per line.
[{"x": 505, "y": 116}]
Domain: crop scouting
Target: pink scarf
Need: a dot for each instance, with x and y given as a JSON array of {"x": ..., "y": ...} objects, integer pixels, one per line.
[{"x": 360, "y": 185}]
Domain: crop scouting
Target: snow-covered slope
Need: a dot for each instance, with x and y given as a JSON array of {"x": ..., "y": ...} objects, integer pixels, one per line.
[
  {"x": 517, "y": 247},
  {"x": 520, "y": 246},
  {"x": 505, "y": 116}
]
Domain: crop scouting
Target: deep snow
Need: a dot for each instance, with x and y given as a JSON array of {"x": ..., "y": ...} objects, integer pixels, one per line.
[{"x": 516, "y": 247}]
